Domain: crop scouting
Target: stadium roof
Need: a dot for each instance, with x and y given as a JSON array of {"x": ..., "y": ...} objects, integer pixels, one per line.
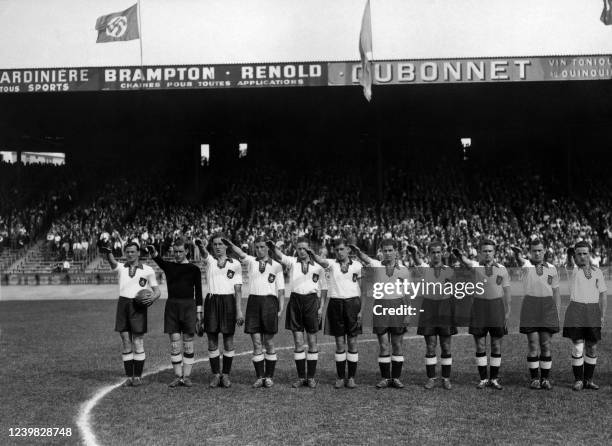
[{"x": 60, "y": 33}]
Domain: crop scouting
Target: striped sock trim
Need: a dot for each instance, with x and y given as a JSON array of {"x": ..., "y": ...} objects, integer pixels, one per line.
[
  {"x": 299, "y": 355},
  {"x": 139, "y": 356},
  {"x": 258, "y": 358},
  {"x": 270, "y": 357},
  {"x": 176, "y": 359},
  {"x": 352, "y": 357},
  {"x": 577, "y": 362},
  {"x": 431, "y": 360},
  {"x": 229, "y": 354},
  {"x": 127, "y": 356},
  {"x": 590, "y": 360},
  {"x": 533, "y": 362},
  {"x": 397, "y": 358},
  {"x": 384, "y": 359},
  {"x": 188, "y": 358},
  {"x": 446, "y": 360},
  {"x": 213, "y": 353},
  {"x": 481, "y": 359},
  {"x": 495, "y": 360},
  {"x": 340, "y": 356},
  {"x": 545, "y": 362},
  {"x": 312, "y": 356}
]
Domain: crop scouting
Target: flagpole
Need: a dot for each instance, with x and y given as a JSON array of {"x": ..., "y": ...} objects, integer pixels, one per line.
[{"x": 140, "y": 32}]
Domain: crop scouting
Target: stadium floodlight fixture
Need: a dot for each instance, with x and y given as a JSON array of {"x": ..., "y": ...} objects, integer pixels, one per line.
[{"x": 466, "y": 142}]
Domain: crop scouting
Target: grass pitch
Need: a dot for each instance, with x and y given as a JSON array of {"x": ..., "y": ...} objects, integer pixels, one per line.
[{"x": 57, "y": 354}]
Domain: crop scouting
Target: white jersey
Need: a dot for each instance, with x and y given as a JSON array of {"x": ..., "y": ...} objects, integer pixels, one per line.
[
  {"x": 390, "y": 274},
  {"x": 265, "y": 276},
  {"x": 132, "y": 279},
  {"x": 222, "y": 277},
  {"x": 539, "y": 281},
  {"x": 344, "y": 279},
  {"x": 304, "y": 277},
  {"x": 586, "y": 284},
  {"x": 494, "y": 277},
  {"x": 435, "y": 279}
]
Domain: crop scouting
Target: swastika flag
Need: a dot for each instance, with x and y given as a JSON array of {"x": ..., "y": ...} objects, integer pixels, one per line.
[{"x": 118, "y": 26}]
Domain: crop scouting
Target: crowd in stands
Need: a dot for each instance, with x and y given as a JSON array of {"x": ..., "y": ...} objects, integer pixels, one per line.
[{"x": 412, "y": 205}]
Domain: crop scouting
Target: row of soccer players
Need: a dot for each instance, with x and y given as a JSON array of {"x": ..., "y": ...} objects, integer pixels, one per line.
[{"x": 220, "y": 312}]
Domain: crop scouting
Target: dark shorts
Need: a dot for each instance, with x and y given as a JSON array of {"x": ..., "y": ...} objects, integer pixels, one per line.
[
  {"x": 488, "y": 317},
  {"x": 129, "y": 317},
  {"x": 220, "y": 314},
  {"x": 302, "y": 313},
  {"x": 582, "y": 321},
  {"x": 539, "y": 314},
  {"x": 437, "y": 318},
  {"x": 261, "y": 315},
  {"x": 341, "y": 318},
  {"x": 386, "y": 323},
  {"x": 180, "y": 316}
]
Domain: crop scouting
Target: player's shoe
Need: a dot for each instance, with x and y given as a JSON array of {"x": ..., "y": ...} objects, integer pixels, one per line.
[
  {"x": 482, "y": 384},
  {"x": 545, "y": 384},
  {"x": 535, "y": 384},
  {"x": 176, "y": 382},
  {"x": 350, "y": 383},
  {"x": 268, "y": 382},
  {"x": 495, "y": 384},
  {"x": 589, "y": 384},
  {"x": 187, "y": 382},
  {"x": 430, "y": 384},
  {"x": 382, "y": 384},
  {"x": 259, "y": 382},
  {"x": 299, "y": 383},
  {"x": 137, "y": 381},
  {"x": 215, "y": 380},
  {"x": 395, "y": 382},
  {"x": 225, "y": 381},
  {"x": 127, "y": 383},
  {"x": 446, "y": 383},
  {"x": 578, "y": 385},
  {"x": 311, "y": 383},
  {"x": 339, "y": 383}
]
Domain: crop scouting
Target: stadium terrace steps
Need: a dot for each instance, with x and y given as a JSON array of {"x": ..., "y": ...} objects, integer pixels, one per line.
[
  {"x": 36, "y": 261},
  {"x": 10, "y": 257}
]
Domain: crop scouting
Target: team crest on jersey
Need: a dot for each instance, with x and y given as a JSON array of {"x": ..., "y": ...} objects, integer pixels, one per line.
[
  {"x": 230, "y": 274},
  {"x": 142, "y": 282},
  {"x": 355, "y": 277},
  {"x": 315, "y": 278},
  {"x": 539, "y": 270},
  {"x": 499, "y": 280},
  {"x": 549, "y": 280},
  {"x": 271, "y": 278},
  {"x": 587, "y": 273}
]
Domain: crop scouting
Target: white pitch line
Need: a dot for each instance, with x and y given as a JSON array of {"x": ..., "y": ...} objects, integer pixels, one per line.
[{"x": 83, "y": 420}]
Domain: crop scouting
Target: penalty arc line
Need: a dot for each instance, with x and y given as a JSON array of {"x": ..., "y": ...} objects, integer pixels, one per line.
[{"x": 83, "y": 420}]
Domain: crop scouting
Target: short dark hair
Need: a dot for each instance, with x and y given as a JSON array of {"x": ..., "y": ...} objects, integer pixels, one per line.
[
  {"x": 340, "y": 241},
  {"x": 134, "y": 244},
  {"x": 303, "y": 239},
  {"x": 487, "y": 242},
  {"x": 582, "y": 244},
  {"x": 179, "y": 241},
  {"x": 220, "y": 235},
  {"x": 260, "y": 239},
  {"x": 388, "y": 242},
  {"x": 434, "y": 244}
]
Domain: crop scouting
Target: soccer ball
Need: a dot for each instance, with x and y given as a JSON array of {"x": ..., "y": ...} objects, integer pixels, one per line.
[{"x": 140, "y": 296}]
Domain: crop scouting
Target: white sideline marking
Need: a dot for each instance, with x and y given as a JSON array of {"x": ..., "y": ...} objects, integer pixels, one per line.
[{"x": 83, "y": 420}]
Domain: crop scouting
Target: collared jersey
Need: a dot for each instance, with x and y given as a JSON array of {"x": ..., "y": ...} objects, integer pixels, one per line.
[
  {"x": 265, "y": 276},
  {"x": 132, "y": 279},
  {"x": 304, "y": 277},
  {"x": 390, "y": 274},
  {"x": 435, "y": 279},
  {"x": 539, "y": 281},
  {"x": 495, "y": 278},
  {"x": 344, "y": 280},
  {"x": 585, "y": 285},
  {"x": 222, "y": 277}
]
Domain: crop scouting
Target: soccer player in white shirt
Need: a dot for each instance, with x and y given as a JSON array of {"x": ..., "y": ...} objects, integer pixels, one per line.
[
  {"x": 264, "y": 306},
  {"x": 343, "y": 318},
  {"x": 389, "y": 329},
  {"x": 222, "y": 307},
  {"x": 306, "y": 280},
  {"x": 131, "y": 320},
  {"x": 584, "y": 317},
  {"x": 539, "y": 311},
  {"x": 490, "y": 311}
]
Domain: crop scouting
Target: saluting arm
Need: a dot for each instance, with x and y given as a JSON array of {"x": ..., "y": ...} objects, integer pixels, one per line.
[
  {"x": 236, "y": 250},
  {"x": 202, "y": 248},
  {"x": 361, "y": 255},
  {"x": 320, "y": 260}
]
